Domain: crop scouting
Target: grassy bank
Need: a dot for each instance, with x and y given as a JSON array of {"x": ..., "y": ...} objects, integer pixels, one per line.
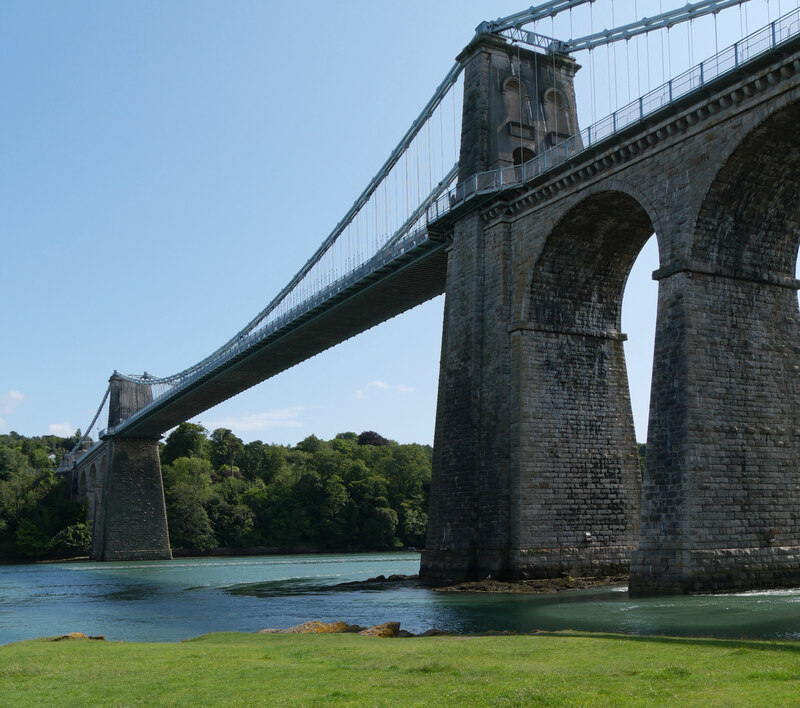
[{"x": 299, "y": 670}]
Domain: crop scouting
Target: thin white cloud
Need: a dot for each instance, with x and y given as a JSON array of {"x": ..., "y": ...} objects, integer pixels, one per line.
[
  {"x": 63, "y": 430},
  {"x": 372, "y": 387},
  {"x": 283, "y": 418},
  {"x": 10, "y": 401},
  {"x": 405, "y": 389}
]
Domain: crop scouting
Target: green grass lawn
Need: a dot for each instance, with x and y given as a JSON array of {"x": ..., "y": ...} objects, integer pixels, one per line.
[{"x": 563, "y": 669}]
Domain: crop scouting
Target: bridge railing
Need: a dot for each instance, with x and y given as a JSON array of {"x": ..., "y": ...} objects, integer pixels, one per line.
[
  {"x": 729, "y": 59},
  {"x": 392, "y": 208},
  {"x": 386, "y": 255}
]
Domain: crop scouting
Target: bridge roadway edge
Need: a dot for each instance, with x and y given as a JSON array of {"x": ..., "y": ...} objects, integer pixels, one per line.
[
  {"x": 369, "y": 302},
  {"x": 691, "y": 559}
]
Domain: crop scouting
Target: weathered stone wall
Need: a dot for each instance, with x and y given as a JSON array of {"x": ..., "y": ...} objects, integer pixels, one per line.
[
  {"x": 131, "y": 524},
  {"x": 534, "y": 438},
  {"x": 452, "y": 541},
  {"x": 127, "y": 504},
  {"x": 508, "y": 104}
]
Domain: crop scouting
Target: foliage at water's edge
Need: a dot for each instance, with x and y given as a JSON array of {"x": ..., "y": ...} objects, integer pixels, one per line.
[{"x": 349, "y": 493}]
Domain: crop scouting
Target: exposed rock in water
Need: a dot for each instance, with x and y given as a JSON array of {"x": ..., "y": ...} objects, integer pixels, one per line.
[
  {"x": 78, "y": 635},
  {"x": 546, "y": 585},
  {"x": 380, "y": 582}
]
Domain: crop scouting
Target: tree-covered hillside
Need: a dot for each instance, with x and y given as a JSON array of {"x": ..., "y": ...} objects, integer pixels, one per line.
[
  {"x": 352, "y": 492},
  {"x": 37, "y": 519}
]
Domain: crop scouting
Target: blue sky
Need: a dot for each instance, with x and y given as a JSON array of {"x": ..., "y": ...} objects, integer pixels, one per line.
[{"x": 166, "y": 167}]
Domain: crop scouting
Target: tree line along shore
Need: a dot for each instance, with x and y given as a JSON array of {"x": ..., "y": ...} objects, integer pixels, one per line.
[{"x": 353, "y": 492}]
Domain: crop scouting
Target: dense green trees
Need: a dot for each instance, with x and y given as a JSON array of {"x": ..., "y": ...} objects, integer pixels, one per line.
[
  {"x": 36, "y": 516},
  {"x": 350, "y": 492}
]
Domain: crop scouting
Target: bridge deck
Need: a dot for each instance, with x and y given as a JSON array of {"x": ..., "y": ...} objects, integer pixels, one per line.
[{"x": 404, "y": 282}]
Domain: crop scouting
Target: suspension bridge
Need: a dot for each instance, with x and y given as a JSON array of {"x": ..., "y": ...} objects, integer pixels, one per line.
[{"x": 529, "y": 224}]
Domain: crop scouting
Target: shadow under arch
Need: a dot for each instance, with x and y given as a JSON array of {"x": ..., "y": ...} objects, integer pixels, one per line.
[
  {"x": 579, "y": 486},
  {"x": 721, "y": 489},
  {"x": 749, "y": 223},
  {"x": 579, "y": 278}
]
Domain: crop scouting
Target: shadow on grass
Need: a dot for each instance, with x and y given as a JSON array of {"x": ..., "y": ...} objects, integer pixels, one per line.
[{"x": 782, "y": 645}]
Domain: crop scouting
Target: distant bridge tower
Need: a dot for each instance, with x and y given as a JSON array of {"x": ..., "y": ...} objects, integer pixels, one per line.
[{"x": 130, "y": 518}]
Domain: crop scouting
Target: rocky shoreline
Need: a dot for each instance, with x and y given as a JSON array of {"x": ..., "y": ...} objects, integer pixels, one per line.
[
  {"x": 386, "y": 630},
  {"x": 541, "y": 586}
]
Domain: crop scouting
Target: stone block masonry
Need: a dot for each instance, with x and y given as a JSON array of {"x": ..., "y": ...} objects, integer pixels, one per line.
[
  {"x": 132, "y": 523},
  {"x": 535, "y": 465}
]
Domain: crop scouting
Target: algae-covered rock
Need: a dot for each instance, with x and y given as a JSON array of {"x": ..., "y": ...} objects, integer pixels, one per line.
[
  {"x": 316, "y": 627},
  {"x": 387, "y": 629}
]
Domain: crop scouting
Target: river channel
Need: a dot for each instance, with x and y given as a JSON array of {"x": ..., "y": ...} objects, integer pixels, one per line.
[{"x": 174, "y": 600}]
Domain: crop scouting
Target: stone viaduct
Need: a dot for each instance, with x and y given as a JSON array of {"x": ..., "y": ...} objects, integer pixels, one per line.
[
  {"x": 536, "y": 470},
  {"x": 535, "y": 463}
]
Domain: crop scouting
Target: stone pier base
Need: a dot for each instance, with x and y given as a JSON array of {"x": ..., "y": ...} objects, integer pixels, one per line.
[
  {"x": 131, "y": 523},
  {"x": 717, "y": 570}
]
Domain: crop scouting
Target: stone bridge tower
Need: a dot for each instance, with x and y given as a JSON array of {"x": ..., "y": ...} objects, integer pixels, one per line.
[
  {"x": 130, "y": 519},
  {"x": 535, "y": 465},
  {"x": 517, "y": 103},
  {"x": 535, "y": 470}
]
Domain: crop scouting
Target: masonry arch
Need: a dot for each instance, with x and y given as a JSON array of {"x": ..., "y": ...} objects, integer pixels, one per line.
[
  {"x": 522, "y": 155},
  {"x": 82, "y": 484},
  {"x": 579, "y": 278},
  {"x": 580, "y": 485},
  {"x": 558, "y": 116},
  {"x": 517, "y": 100},
  {"x": 742, "y": 348},
  {"x": 749, "y": 222}
]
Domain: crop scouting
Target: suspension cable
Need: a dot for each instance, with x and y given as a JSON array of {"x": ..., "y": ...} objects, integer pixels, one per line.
[{"x": 91, "y": 425}]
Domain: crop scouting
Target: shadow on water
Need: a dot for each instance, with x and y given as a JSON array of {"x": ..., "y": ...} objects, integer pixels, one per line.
[
  {"x": 130, "y": 593},
  {"x": 284, "y": 586}
]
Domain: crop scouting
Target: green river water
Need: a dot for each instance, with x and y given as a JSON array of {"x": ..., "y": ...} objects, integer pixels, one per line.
[{"x": 174, "y": 600}]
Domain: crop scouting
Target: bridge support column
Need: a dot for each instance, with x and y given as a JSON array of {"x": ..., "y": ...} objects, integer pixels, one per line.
[
  {"x": 468, "y": 520},
  {"x": 131, "y": 521},
  {"x": 721, "y": 500},
  {"x": 131, "y": 518},
  {"x": 576, "y": 477},
  {"x": 535, "y": 468}
]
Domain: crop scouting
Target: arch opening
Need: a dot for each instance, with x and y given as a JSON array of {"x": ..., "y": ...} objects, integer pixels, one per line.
[
  {"x": 522, "y": 155},
  {"x": 749, "y": 224},
  {"x": 579, "y": 461},
  {"x": 517, "y": 101},
  {"x": 558, "y": 116}
]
